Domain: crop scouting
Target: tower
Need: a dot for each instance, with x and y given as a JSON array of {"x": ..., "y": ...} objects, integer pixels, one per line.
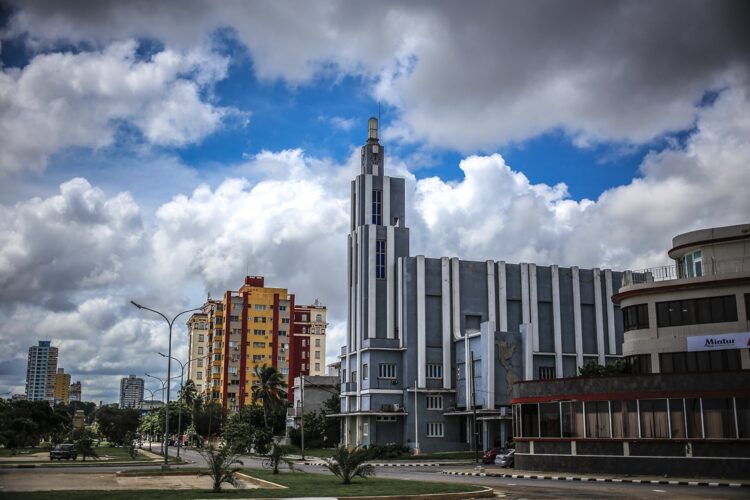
[
  {"x": 378, "y": 238},
  {"x": 41, "y": 370}
]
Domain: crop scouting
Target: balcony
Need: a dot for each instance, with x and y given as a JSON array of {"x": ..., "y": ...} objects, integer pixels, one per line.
[
  {"x": 709, "y": 268},
  {"x": 349, "y": 387}
]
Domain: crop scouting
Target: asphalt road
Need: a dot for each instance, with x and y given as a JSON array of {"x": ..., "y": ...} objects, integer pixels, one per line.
[{"x": 505, "y": 488}]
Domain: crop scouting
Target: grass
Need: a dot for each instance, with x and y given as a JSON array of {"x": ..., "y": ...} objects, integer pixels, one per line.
[
  {"x": 7, "y": 452},
  {"x": 451, "y": 455},
  {"x": 113, "y": 454},
  {"x": 299, "y": 484}
]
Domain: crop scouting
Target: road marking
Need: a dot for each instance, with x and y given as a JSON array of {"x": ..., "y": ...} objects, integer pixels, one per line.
[{"x": 659, "y": 491}]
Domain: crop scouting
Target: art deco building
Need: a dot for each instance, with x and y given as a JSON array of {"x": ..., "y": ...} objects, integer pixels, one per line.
[
  {"x": 431, "y": 339},
  {"x": 41, "y": 370}
]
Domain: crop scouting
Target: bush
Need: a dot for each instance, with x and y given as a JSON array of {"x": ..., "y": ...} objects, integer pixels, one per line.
[{"x": 386, "y": 451}]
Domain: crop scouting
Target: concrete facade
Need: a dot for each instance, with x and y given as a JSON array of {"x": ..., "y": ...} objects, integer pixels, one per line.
[
  {"x": 62, "y": 386},
  {"x": 415, "y": 325},
  {"x": 41, "y": 370},
  {"x": 197, "y": 369}
]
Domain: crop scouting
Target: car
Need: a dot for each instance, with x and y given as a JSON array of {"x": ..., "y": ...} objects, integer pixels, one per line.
[
  {"x": 506, "y": 458},
  {"x": 489, "y": 455},
  {"x": 66, "y": 451}
]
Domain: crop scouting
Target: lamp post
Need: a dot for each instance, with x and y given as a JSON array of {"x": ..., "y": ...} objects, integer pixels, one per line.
[
  {"x": 166, "y": 410},
  {"x": 179, "y": 408},
  {"x": 151, "y": 409},
  {"x": 169, "y": 369}
]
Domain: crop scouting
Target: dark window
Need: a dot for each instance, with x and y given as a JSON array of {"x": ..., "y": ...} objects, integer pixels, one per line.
[
  {"x": 743, "y": 415},
  {"x": 701, "y": 361},
  {"x": 640, "y": 363},
  {"x": 380, "y": 259},
  {"x": 572, "y": 415},
  {"x": 635, "y": 317},
  {"x": 472, "y": 323},
  {"x": 654, "y": 422},
  {"x": 546, "y": 372},
  {"x": 377, "y": 207},
  {"x": 696, "y": 311},
  {"x": 718, "y": 417},
  {"x": 530, "y": 420},
  {"x": 549, "y": 418}
]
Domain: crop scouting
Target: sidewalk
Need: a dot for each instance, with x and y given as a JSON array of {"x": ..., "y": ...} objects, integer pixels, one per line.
[{"x": 491, "y": 471}]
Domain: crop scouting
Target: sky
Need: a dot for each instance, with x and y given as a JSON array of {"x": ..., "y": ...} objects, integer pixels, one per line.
[{"x": 159, "y": 151}]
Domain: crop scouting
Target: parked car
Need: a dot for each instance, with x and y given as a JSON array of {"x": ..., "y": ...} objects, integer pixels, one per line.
[
  {"x": 506, "y": 458},
  {"x": 66, "y": 451},
  {"x": 489, "y": 455}
]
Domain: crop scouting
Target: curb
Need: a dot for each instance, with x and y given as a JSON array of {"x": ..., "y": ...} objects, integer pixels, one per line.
[
  {"x": 598, "y": 479},
  {"x": 385, "y": 464}
]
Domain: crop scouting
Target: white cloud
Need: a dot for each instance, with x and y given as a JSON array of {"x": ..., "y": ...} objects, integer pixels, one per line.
[
  {"x": 288, "y": 221},
  {"x": 69, "y": 99},
  {"x": 463, "y": 76}
]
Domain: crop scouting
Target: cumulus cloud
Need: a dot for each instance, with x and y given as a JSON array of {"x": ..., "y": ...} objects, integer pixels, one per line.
[
  {"x": 463, "y": 75},
  {"x": 288, "y": 221},
  {"x": 66, "y": 99}
]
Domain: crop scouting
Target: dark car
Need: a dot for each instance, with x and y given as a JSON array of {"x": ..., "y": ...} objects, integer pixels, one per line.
[
  {"x": 66, "y": 451},
  {"x": 489, "y": 455},
  {"x": 506, "y": 458}
]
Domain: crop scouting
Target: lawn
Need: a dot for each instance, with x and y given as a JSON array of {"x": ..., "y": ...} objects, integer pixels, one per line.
[
  {"x": 452, "y": 455},
  {"x": 299, "y": 484},
  {"x": 7, "y": 452},
  {"x": 110, "y": 453}
]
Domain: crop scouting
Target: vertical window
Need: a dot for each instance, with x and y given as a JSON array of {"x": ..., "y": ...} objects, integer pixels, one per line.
[
  {"x": 377, "y": 207},
  {"x": 572, "y": 415},
  {"x": 546, "y": 372},
  {"x": 380, "y": 259},
  {"x": 365, "y": 370},
  {"x": 693, "y": 264},
  {"x": 530, "y": 420},
  {"x": 677, "y": 418},
  {"x": 654, "y": 418},
  {"x": 366, "y": 429},
  {"x": 434, "y": 402},
  {"x": 549, "y": 418},
  {"x": 597, "y": 419},
  {"x": 387, "y": 370},
  {"x": 434, "y": 371},
  {"x": 624, "y": 419},
  {"x": 718, "y": 415},
  {"x": 434, "y": 429},
  {"x": 743, "y": 416}
]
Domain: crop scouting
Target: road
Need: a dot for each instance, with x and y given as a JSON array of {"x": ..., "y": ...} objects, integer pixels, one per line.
[{"x": 505, "y": 488}]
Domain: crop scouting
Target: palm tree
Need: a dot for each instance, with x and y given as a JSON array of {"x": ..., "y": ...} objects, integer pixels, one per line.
[
  {"x": 189, "y": 394},
  {"x": 268, "y": 388},
  {"x": 278, "y": 456},
  {"x": 220, "y": 462},
  {"x": 347, "y": 464}
]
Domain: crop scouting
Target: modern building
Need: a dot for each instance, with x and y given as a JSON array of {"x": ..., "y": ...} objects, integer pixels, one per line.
[
  {"x": 256, "y": 326},
  {"x": 687, "y": 398},
  {"x": 131, "y": 392},
  {"x": 430, "y": 340},
  {"x": 41, "y": 370},
  {"x": 317, "y": 390},
  {"x": 198, "y": 350},
  {"x": 75, "y": 391},
  {"x": 62, "y": 386}
]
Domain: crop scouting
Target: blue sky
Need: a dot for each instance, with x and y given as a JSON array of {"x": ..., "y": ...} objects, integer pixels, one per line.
[{"x": 158, "y": 151}]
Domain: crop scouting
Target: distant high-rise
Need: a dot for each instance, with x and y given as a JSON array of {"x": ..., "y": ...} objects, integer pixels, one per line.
[
  {"x": 41, "y": 370},
  {"x": 131, "y": 392},
  {"x": 75, "y": 391},
  {"x": 198, "y": 350},
  {"x": 62, "y": 386}
]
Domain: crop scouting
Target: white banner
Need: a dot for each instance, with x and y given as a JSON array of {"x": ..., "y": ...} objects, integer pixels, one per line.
[{"x": 719, "y": 342}]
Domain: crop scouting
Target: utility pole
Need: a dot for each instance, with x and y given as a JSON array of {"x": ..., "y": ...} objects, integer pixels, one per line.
[
  {"x": 474, "y": 407},
  {"x": 416, "y": 421},
  {"x": 302, "y": 414}
]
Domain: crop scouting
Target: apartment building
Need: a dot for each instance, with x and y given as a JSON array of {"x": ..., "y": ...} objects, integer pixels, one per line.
[
  {"x": 131, "y": 392},
  {"x": 198, "y": 350},
  {"x": 62, "y": 386},
  {"x": 255, "y": 326},
  {"x": 75, "y": 391},
  {"x": 41, "y": 370}
]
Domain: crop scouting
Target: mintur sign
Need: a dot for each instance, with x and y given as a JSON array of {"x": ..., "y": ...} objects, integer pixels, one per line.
[{"x": 719, "y": 342}]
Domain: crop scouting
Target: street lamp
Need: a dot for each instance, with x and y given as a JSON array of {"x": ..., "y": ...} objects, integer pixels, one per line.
[
  {"x": 151, "y": 409},
  {"x": 163, "y": 383},
  {"x": 179, "y": 408},
  {"x": 169, "y": 369}
]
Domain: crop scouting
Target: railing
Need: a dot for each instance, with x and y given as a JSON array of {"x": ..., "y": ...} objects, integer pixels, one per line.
[
  {"x": 709, "y": 267},
  {"x": 349, "y": 387}
]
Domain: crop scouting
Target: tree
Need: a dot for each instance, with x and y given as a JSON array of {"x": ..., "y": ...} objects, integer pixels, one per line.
[
  {"x": 116, "y": 424},
  {"x": 346, "y": 464},
  {"x": 209, "y": 420},
  {"x": 594, "y": 369},
  {"x": 278, "y": 456},
  {"x": 269, "y": 389},
  {"x": 25, "y": 423},
  {"x": 220, "y": 466},
  {"x": 189, "y": 394},
  {"x": 315, "y": 425},
  {"x": 238, "y": 434},
  {"x": 84, "y": 445}
]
